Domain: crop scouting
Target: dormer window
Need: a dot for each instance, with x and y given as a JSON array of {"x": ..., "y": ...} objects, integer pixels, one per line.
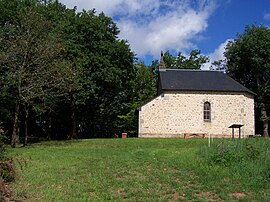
[{"x": 207, "y": 112}]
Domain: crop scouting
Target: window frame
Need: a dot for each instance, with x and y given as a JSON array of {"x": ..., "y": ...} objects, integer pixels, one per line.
[{"x": 207, "y": 112}]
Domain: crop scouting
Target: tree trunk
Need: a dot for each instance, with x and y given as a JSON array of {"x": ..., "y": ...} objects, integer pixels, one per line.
[
  {"x": 265, "y": 121},
  {"x": 26, "y": 125},
  {"x": 73, "y": 118},
  {"x": 14, "y": 138},
  {"x": 49, "y": 134}
]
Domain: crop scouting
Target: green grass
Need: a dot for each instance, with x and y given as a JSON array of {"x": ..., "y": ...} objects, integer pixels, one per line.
[{"x": 131, "y": 170}]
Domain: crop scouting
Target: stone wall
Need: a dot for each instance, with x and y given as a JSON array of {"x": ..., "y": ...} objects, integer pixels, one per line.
[{"x": 172, "y": 114}]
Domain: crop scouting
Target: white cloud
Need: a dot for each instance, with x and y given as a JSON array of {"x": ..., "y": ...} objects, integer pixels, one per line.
[
  {"x": 152, "y": 25},
  {"x": 171, "y": 31},
  {"x": 267, "y": 16},
  {"x": 113, "y": 7},
  {"x": 218, "y": 54},
  {"x": 174, "y": 29}
]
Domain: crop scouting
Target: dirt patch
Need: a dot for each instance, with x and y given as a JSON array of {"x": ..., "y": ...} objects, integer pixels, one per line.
[
  {"x": 177, "y": 179},
  {"x": 189, "y": 184},
  {"x": 237, "y": 195},
  {"x": 208, "y": 196},
  {"x": 177, "y": 197},
  {"x": 131, "y": 174},
  {"x": 121, "y": 192},
  {"x": 174, "y": 196}
]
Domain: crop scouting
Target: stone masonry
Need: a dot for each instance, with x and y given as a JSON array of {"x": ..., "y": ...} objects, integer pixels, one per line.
[{"x": 172, "y": 114}]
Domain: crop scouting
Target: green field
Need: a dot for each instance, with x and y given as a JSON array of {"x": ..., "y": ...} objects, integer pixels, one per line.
[{"x": 135, "y": 170}]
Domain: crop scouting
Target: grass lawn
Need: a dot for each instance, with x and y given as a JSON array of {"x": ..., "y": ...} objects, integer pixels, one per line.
[{"x": 129, "y": 170}]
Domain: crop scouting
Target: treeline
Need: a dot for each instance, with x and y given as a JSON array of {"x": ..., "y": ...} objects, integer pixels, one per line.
[{"x": 64, "y": 74}]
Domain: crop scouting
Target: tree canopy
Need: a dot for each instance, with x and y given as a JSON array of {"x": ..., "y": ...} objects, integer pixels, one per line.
[
  {"x": 63, "y": 73},
  {"x": 195, "y": 60}
]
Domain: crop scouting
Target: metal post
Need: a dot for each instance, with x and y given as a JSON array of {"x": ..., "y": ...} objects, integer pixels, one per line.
[
  {"x": 239, "y": 133},
  {"x": 209, "y": 140}
]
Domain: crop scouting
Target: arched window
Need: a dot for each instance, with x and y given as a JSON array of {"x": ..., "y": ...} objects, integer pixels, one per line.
[{"x": 207, "y": 112}]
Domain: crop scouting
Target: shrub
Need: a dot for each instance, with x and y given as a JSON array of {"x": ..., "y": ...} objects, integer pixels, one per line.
[
  {"x": 247, "y": 160},
  {"x": 228, "y": 152}
]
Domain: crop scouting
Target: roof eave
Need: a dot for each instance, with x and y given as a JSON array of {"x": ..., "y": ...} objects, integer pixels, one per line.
[{"x": 250, "y": 92}]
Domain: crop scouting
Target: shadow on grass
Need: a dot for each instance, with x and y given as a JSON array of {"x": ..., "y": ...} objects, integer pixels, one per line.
[{"x": 37, "y": 141}]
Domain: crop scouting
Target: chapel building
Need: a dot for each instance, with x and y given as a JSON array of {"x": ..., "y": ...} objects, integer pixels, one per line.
[{"x": 197, "y": 103}]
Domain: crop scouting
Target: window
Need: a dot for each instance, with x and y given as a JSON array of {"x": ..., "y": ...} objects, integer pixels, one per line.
[{"x": 207, "y": 112}]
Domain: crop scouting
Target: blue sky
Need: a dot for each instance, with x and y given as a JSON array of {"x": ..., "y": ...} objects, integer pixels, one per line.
[{"x": 179, "y": 25}]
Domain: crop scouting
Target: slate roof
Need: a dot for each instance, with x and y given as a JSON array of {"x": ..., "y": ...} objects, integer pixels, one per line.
[{"x": 198, "y": 80}]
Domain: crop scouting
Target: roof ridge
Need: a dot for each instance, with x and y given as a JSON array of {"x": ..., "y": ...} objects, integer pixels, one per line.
[{"x": 196, "y": 70}]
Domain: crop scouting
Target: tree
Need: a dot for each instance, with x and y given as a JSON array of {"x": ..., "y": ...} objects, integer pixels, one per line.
[
  {"x": 248, "y": 61},
  {"x": 106, "y": 72},
  {"x": 31, "y": 60},
  {"x": 144, "y": 89},
  {"x": 194, "y": 61},
  {"x": 219, "y": 65},
  {"x": 48, "y": 52}
]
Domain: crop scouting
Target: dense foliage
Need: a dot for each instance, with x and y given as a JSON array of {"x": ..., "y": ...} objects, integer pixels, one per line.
[
  {"x": 248, "y": 61},
  {"x": 144, "y": 89},
  {"x": 63, "y": 74},
  {"x": 195, "y": 60}
]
